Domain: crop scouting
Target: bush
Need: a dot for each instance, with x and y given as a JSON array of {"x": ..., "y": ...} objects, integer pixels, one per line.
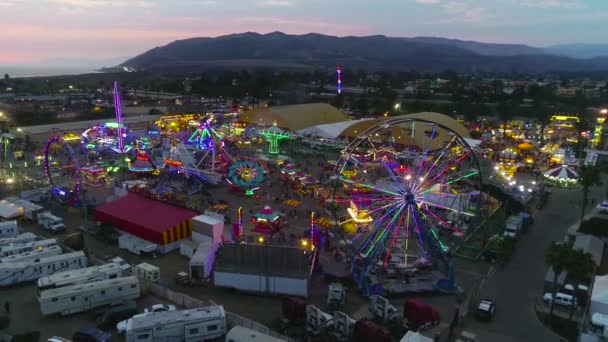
[{"x": 30, "y": 336}]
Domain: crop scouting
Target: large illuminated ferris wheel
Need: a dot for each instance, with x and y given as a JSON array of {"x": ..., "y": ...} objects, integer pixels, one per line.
[{"x": 412, "y": 187}]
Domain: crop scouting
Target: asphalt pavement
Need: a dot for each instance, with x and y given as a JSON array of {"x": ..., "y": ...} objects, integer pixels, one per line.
[{"x": 518, "y": 285}]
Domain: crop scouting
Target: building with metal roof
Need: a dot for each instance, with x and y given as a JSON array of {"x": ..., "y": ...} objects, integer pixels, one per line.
[{"x": 294, "y": 117}]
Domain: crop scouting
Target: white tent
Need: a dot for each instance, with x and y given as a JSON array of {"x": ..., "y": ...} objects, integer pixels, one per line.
[
  {"x": 10, "y": 210},
  {"x": 599, "y": 296},
  {"x": 415, "y": 337},
  {"x": 331, "y": 131}
]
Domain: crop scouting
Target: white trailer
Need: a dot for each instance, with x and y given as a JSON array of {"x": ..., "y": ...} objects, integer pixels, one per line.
[
  {"x": 136, "y": 245},
  {"x": 81, "y": 276},
  {"x": 344, "y": 326},
  {"x": 30, "y": 210},
  {"x": 21, "y": 238},
  {"x": 33, "y": 255},
  {"x": 201, "y": 263},
  {"x": 187, "y": 248},
  {"x": 191, "y": 325},
  {"x": 242, "y": 334},
  {"x": 317, "y": 320},
  {"x": 82, "y": 297},
  {"x": 36, "y": 195},
  {"x": 50, "y": 222},
  {"x": 147, "y": 272},
  {"x": 26, "y": 247},
  {"x": 12, "y": 273},
  {"x": 8, "y": 229},
  {"x": 207, "y": 226}
]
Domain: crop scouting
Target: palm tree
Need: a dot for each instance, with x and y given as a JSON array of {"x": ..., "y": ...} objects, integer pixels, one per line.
[
  {"x": 589, "y": 176},
  {"x": 581, "y": 267},
  {"x": 558, "y": 257}
]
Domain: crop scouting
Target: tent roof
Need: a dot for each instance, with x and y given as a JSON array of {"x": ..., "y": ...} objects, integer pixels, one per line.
[
  {"x": 10, "y": 210},
  {"x": 140, "y": 211},
  {"x": 332, "y": 130},
  {"x": 600, "y": 290},
  {"x": 294, "y": 117},
  {"x": 592, "y": 245}
]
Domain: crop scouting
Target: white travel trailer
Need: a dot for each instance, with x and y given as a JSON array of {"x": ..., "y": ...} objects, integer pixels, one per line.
[
  {"x": 8, "y": 229},
  {"x": 136, "y": 245},
  {"x": 81, "y": 276},
  {"x": 242, "y": 334},
  {"x": 12, "y": 273},
  {"x": 145, "y": 271},
  {"x": 26, "y": 247},
  {"x": 50, "y": 222},
  {"x": 21, "y": 238},
  {"x": 82, "y": 297},
  {"x": 198, "y": 324},
  {"x": 33, "y": 255}
]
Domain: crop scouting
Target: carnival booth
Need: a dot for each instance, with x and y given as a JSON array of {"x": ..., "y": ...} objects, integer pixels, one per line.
[
  {"x": 563, "y": 176},
  {"x": 93, "y": 175}
]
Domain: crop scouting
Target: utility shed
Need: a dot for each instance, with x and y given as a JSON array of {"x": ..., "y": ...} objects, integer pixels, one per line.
[
  {"x": 263, "y": 269},
  {"x": 592, "y": 245}
]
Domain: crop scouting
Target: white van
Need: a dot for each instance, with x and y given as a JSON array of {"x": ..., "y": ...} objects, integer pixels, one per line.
[
  {"x": 560, "y": 299},
  {"x": 599, "y": 324}
]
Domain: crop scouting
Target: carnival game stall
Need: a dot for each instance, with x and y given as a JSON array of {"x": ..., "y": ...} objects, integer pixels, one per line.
[{"x": 94, "y": 175}]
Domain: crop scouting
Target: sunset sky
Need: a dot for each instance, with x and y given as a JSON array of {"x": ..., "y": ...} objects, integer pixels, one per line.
[{"x": 39, "y": 30}]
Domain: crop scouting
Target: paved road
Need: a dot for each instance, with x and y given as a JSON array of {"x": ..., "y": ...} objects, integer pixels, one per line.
[{"x": 519, "y": 284}]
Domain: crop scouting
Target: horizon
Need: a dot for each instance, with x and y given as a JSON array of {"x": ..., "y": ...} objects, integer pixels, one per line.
[{"x": 107, "y": 29}]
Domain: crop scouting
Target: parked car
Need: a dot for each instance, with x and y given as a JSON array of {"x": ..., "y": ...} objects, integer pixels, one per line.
[
  {"x": 121, "y": 327},
  {"x": 485, "y": 310},
  {"x": 560, "y": 299},
  {"x": 160, "y": 308},
  {"x": 91, "y": 335}
]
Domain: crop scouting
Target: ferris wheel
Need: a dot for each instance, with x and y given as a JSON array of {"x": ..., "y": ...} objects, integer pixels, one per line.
[
  {"x": 412, "y": 190},
  {"x": 62, "y": 170}
]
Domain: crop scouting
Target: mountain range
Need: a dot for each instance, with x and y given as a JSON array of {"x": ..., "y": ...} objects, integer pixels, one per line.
[{"x": 278, "y": 50}]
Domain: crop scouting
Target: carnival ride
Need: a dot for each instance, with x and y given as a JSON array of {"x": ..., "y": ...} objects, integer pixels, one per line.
[
  {"x": 111, "y": 136},
  {"x": 427, "y": 186},
  {"x": 62, "y": 169},
  {"x": 274, "y": 134},
  {"x": 245, "y": 175}
]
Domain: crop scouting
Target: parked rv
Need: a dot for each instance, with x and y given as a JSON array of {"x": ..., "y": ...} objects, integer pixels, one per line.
[
  {"x": 32, "y": 255},
  {"x": 136, "y": 245},
  {"x": 12, "y": 273},
  {"x": 81, "y": 276},
  {"x": 147, "y": 272},
  {"x": 36, "y": 195},
  {"x": 190, "y": 325},
  {"x": 26, "y": 247},
  {"x": 50, "y": 222},
  {"x": 8, "y": 229},
  {"x": 82, "y": 297},
  {"x": 21, "y": 238}
]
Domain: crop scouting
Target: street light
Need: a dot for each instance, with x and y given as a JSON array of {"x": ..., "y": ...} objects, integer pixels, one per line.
[
  {"x": 19, "y": 130},
  {"x": 604, "y": 111}
]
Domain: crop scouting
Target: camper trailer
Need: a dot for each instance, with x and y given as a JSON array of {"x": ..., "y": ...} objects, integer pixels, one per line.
[
  {"x": 21, "y": 238},
  {"x": 36, "y": 195},
  {"x": 81, "y": 276},
  {"x": 242, "y": 334},
  {"x": 50, "y": 222},
  {"x": 136, "y": 245},
  {"x": 198, "y": 324},
  {"x": 8, "y": 229},
  {"x": 32, "y": 255},
  {"x": 26, "y": 247},
  {"x": 12, "y": 273},
  {"x": 30, "y": 210},
  {"x": 82, "y": 297},
  {"x": 147, "y": 272}
]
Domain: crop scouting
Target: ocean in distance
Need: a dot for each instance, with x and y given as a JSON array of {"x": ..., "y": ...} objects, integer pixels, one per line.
[{"x": 16, "y": 71}]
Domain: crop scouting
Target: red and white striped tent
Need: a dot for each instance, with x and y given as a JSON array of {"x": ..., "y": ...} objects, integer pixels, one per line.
[{"x": 564, "y": 172}]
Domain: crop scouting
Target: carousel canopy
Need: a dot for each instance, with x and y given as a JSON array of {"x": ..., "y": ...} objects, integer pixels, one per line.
[
  {"x": 562, "y": 172},
  {"x": 267, "y": 213}
]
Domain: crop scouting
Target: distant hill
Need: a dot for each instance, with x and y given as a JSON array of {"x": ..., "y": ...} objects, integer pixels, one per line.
[
  {"x": 579, "y": 50},
  {"x": 278, "y": 50}
]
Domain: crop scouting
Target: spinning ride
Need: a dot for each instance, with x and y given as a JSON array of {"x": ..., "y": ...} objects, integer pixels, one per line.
[
  {"x": 246, "y": 175},
  {"x": 61, "y": 167},
  {"x": 429, "y": 187}
]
